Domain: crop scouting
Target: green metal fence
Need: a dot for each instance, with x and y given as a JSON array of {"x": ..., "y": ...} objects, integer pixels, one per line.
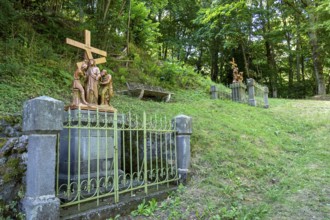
[{"x": 102, "y": 155}]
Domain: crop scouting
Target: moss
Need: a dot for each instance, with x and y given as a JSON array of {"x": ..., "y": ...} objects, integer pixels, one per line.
[
  {"x": 14, "y": 172},
  {"x": 3, "y": 141},
  {"x": 11, "y": 119}
]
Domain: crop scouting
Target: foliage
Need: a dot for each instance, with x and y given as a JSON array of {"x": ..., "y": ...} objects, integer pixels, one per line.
[
  {"x": 15, "y": 170},
  {"x": 8, "y": 211},
  {"x": 144, "y": 30},
  {"x": 146, "y": 209}
]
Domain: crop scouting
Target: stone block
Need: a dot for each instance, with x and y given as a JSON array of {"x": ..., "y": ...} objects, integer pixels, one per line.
[
  {"x": 183, "y": 152},
  {"x": 44, "y": 207},
  {"x": 183, "y": 124},
  {"x": 43, "y": 115},
  {"x": 40, "y": 174},
  {"x": 214, "y": 92},
  {"x": 250, "y": 82}
]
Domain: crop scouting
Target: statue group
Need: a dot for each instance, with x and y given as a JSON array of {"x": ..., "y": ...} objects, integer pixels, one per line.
[
  {"x": 91, "y": 87},
  {"x": 237, "y": 76},
  {"x": 96, "y": 90}
]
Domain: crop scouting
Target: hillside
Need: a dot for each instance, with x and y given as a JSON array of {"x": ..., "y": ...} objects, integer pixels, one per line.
[{"x": 249, "y": 163}]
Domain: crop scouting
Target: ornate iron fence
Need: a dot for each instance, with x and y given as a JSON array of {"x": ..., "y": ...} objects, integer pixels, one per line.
[{"x": 102, "y": 155}]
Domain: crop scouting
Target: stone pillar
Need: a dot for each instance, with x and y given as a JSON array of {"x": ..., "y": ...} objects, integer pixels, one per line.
[
  {"x": 238, "y": 92},
  {"x": 184, "y": 130},
  {"x": 250, "y": 84},
  {"x": 214, "y": 92},
  {"x": 266, "y": 91},
  {"x": 42, "y": 121}
]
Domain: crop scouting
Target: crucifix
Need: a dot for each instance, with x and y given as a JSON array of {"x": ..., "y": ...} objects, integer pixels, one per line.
[
  {"x": 88, "y": 49},
  {"x": 233, "y": 64}
]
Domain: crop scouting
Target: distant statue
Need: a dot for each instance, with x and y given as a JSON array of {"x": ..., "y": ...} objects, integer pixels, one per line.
[
  {"x": 237, "y": 76},
  {"x": 77, "y": 84},
  {"x": 93, "y": 75},
  {"x": 106, "y": 88}
]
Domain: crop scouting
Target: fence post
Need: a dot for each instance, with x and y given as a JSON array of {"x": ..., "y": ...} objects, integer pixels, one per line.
[
  {"x": 183, "y": 126},
  {"x": 266, "y": 91},
  {"x": 250, "y": 84},
  {"x": 42, "y": 121},
  {"x": 237, "y": 91},
  {"x": 214, "y": 92}
]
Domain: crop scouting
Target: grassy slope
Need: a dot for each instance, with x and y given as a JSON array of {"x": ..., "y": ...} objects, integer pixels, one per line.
[{"x": 247, "y": 162}]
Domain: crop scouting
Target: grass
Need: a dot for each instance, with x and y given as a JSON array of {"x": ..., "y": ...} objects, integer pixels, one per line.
[
  {"x": 250, "y": 163},
  {"x": 247, "y": 163}
]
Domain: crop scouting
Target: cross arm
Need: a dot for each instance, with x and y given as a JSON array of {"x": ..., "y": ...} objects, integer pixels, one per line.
[{"x": 85, "y": 47}]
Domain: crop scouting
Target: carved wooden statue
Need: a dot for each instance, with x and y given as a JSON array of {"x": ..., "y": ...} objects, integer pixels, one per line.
[
  {"x": 76, "y": 85},
  {"x": 237, "y": 76},
  {"x": 105, "y": 88},
  {"x": 93, "y": 76},
  {"x": 87, "y": 97}
]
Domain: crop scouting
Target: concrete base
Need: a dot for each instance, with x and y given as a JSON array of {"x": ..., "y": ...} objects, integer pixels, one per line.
[
  {"x": 252, "y": 102},
  {"x": 183, "y": 177},
  {"x": 124, "y": 207},
  {"x": 44, "y": 207}
]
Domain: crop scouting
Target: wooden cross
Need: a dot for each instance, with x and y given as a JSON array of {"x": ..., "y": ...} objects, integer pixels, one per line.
[
  {"x": 88, "y": 49},
  {"x": 233, "y": 64}
]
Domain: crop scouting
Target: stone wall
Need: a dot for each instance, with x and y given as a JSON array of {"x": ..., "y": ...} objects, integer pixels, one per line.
[{"x": 13, "y": 156}]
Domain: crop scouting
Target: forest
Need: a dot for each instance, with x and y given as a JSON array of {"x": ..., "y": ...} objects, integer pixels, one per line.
[{"x": 281, "y": 43}]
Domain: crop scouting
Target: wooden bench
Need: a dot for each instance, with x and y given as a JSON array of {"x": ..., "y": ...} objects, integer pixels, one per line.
[{"x": 147, "y": 91}]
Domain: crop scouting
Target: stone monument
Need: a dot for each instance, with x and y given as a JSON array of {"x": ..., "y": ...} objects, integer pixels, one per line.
[
  {"x": 237, "y": 76},
  {"x": 237, "y": 87}
]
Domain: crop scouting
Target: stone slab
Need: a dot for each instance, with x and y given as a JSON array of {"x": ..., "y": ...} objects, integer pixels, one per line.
[
  {"x": 183, "y": 151},
  {"x": 44, "y": 207},
  {"x": 183, "y": 124},
  {"x": 43, "y": 115},
  {"x": 40, "y": 174}
]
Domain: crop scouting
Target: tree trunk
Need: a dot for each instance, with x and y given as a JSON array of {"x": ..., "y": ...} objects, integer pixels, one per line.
[
  {"x": 246, "y": 64},
  {"x": 269, "y": 51},
  {"x": 316, "y": 50},
  {"x": 318, "y": 68},
  {"x": 214, "y": 50},
  {"x": 272, "y": 68},
  {"x": 199, "y": 61},
  {"x": 290, "y": 71},
  {"x": 106, "y": 10},
  {"x": 298, "y": 50}
]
